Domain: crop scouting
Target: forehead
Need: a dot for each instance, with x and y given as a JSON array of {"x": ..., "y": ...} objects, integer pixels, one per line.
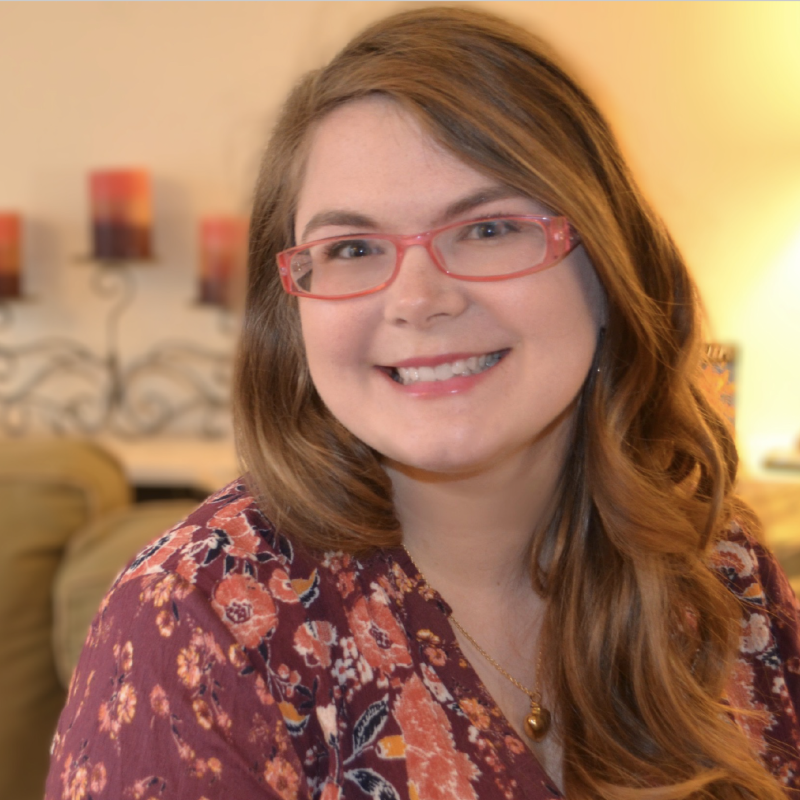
[{"x": 373, "y": 157}]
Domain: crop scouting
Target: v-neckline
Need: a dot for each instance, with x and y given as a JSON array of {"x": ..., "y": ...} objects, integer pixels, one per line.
[{"x": 423, "y": 608}]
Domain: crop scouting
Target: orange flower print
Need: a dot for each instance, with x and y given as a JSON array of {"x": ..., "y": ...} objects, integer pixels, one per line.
[
  {"x": 203, "y": 713},
  {"x": 331, "y": 792},
  {"x": 262, "y": 692},
  {"x": 159, "y": 592},
  {"x": 237, "y": 656},
  {"x": 739, "y": 692},
  {"x": 436, "y": 656},
  {"x": 124, "y": 656},
  {"x": 404, "y": 583},
  {"x": 365, "y": 673},
  {"x": 436, "y": 770},
  {"x": 281, "y": 587},
  {"x": 97, "y": 778},
  {"x": 203, "y": 767},
  {"x": 378, "y": 636},
  {"x": 189, "y": 667},
  {"x": 197, "y": 659},
  {"x": 514, "y": 744},
  {"x": 236, "y": 525},
  {"x": 75, "y": 784},
  {"x": 165, "y": 622},
  {"x": 477, "y": 714},
  {"x": 345, "y": 583},
  {"x": 313, "y": 641},
  {"x": 152, "y": 557},
  {"x": 126, "y": 703},
  {"x": 434, "y": 684},
  {"x": 159, "y": 701},
  {"x": 118, "y": 711},
  {"x": 246, "y": 607},
  {"x": 282, "y": 777}
]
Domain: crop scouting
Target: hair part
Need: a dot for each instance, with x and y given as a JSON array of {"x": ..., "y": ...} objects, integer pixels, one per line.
[{"x": 643, "y": 633}]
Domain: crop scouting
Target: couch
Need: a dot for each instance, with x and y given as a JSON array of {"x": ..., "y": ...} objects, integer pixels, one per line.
[{"x": 67, "y": 526}]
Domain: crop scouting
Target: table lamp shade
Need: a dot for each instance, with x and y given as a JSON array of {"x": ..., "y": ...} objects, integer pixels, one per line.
[
  {"x": 10, "y": 254},
  {"x": 121, "y": 214}
]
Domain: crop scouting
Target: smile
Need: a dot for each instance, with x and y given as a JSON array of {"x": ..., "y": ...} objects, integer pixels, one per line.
[{"x": 443, "y": 372}]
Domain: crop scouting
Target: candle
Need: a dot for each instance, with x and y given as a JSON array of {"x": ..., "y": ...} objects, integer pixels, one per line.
[
  {"x": 223, "y": 256},
  {"x": 10, "y": 236},
  {"x": 121, "y": 214}
]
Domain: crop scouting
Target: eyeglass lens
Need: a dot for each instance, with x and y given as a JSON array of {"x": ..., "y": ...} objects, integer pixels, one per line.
[{"x": 482, "y": 248}]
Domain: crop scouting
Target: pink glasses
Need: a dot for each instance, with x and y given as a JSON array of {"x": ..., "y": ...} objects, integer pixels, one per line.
[{"x": 491, "y": 249}]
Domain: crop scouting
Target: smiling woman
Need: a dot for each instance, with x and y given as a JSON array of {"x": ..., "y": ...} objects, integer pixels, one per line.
[
  {"x": 487, "y": 544},
  {"x": 533, "y": 337}
]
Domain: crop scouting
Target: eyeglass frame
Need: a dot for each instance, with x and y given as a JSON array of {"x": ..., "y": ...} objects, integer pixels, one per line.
[{"x": 561, "y": 238}]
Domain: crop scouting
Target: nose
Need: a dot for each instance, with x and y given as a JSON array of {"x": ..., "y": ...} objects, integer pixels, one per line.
[{"x": 422, "y": 295}]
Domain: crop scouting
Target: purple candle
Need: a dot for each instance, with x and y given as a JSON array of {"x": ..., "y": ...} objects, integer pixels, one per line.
[
  {"x": 10, "y": 252},
  {"x": 223, "y": 254},
  {"x": 121, "y": 214}
]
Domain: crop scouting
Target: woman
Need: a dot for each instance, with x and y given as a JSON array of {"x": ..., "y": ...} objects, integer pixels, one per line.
[{"x": 486, "y": 546}]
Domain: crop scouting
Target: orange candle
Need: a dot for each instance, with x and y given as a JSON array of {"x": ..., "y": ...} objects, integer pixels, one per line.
[
  {"x": 10, "y": 252},
  {"x": 223, "y": 256},
  {"x": 121, "y": 214}
]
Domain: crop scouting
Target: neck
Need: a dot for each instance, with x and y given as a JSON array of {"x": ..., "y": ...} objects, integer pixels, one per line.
[{"x": 471, "y": 533}]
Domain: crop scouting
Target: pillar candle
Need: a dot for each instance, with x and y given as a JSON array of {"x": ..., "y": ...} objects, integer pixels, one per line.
[
  {"x": 121, "y": 214},
  {"x": 10, "y": 251},
  {"x": 223, "y": 256}
]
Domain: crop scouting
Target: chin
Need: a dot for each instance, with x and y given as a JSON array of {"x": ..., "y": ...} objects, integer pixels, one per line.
[{"x": 441, "y": 464}]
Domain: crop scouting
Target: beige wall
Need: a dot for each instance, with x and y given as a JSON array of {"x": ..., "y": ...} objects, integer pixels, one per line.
[{"x": 705, "y": 98}]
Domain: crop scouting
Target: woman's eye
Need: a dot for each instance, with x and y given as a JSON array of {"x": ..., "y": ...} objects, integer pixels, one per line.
[
  {"x": 353, "y": 248},
  {"x": 490, "y": 229}
]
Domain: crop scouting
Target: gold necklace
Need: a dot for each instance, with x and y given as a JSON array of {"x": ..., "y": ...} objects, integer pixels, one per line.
[{"x": 537, "y": 722}]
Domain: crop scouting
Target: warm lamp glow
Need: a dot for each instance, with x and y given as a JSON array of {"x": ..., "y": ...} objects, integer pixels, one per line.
[
  {"x": 10, "y": 252},
  {"x": 121, "y": 214},
  {"x": 223, "y": 255}
]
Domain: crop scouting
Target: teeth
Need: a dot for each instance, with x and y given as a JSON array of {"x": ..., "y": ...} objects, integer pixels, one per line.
[{"x": 442, "y": 372}]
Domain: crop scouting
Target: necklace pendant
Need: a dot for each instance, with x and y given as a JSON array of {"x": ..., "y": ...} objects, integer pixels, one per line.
[{"x": 537, "y": 723}]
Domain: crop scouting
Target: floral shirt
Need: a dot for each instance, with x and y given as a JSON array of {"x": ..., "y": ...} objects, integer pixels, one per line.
[{"x": 227, "y": 663}]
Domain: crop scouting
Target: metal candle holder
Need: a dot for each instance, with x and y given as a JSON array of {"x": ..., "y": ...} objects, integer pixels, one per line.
[{"x": 59, "y": 385}]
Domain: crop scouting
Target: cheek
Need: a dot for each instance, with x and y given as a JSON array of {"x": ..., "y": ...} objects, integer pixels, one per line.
[{"x": 335, "y": 342}]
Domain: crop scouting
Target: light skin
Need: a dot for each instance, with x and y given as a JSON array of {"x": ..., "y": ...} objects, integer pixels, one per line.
[{"x": 474, "y": 464}]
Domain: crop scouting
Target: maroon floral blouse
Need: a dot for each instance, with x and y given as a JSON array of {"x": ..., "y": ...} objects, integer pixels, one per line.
[{"x": 226, "y": 663}]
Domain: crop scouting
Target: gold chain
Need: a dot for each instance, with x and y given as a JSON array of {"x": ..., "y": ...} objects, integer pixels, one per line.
[
  {"x": 534, "y": 694},
  {"x": 537, "y": 723}
]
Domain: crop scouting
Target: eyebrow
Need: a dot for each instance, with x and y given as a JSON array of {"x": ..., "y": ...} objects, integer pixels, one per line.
[
  {"x": 363, "y": 222},
  {"x": 348, "y": 218},
  {"x": 476, "y": 199}
]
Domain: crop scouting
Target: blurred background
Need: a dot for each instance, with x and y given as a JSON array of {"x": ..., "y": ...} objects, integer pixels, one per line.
[
  {"x": 704, "y": 97},
  {"x": 133, "y": 354}
]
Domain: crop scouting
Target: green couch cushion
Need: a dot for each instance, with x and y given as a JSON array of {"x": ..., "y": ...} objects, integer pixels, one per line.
[
  {"x": 92, "y": 561},
  {"x": 48, "y": 490}
]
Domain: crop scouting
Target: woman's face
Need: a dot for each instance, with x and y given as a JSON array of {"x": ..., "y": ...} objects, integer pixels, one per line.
[{"x": 372, "y": 169}]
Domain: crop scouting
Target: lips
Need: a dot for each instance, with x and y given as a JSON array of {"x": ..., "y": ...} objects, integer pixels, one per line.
[{"x": 412, "y": 373}]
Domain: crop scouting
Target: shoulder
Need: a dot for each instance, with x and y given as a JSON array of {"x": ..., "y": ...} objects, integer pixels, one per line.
[
  {"x": 260, "y": 583},
  {"x": 751, "y": 572},
  {"x": 764, "y": 686},
  {"x": 228, "y": 522}
]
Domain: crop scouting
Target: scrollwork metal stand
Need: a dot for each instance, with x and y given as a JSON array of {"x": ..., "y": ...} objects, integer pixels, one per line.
[{"x": 60, "y": 386}]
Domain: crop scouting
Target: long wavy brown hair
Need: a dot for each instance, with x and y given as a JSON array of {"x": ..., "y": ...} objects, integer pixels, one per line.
[{"x": 642, "y": 633}]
